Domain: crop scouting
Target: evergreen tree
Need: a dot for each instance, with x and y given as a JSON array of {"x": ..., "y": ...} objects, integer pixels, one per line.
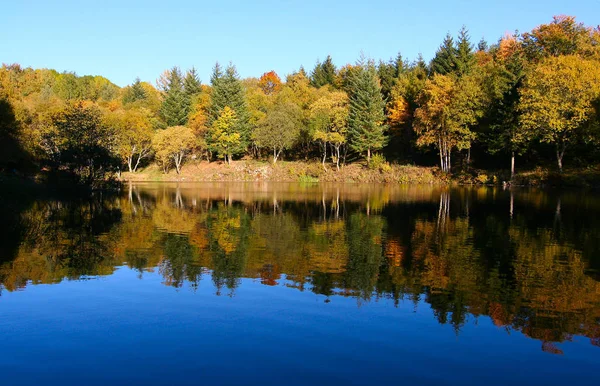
[
  {"x": 388, "y": 74},
  {"x": 192, "y": 84},
  {"x": 366, "y": 128},
  {"x": 176, "y": 104},
  {"x": 465, "y": 57},
  {"x": 227, "y": 91},
  {"x": 482, "y": 46},
  {"x": 323, "y": 73},
  {"x": 134, "y": 93},
  {"x": 444, "y": 61}
]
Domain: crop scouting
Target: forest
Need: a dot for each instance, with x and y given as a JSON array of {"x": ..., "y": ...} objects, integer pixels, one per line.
[{"x": 527, "y": 100}]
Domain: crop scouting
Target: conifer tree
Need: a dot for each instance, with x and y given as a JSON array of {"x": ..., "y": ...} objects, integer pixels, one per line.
[
  {"x": 176, "y": 104},
  {"x": 323, "y": 73},
  {"x": 366, "y": 128},
  {"x": 444, "y": 61},
  {"x": 227, "y": 91},
  {"x": 191, "y": 83},
  {"x": 135, "y": 92},
  {"x": 465, "y": 57}
]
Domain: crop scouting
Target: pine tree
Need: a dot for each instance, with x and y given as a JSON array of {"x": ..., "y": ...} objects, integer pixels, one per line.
[
  {"x": 192, "y": 84},
  {"x": 176, "y": 104},
  {"x": 465, "y": 57},
  {"x": 444, "y": 61},
  {"x": 323, "y": 73},
  {"x": 227, "y": 91},
  {"x": 482, "y": 46},
  {"x": 366, "y": 128},
  {"x": 134, "y": 93}
]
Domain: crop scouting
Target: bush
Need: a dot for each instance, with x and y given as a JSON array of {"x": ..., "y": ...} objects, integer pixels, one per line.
[
  {"x": 377, "y": 160},
  {"x": 307, "y": 179}
]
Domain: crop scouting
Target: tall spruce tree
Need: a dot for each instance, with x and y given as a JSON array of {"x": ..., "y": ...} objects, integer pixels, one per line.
[
  {"x": 388, "y": 74},
  {"x": 465, "y": 58},
  {"x": 175, "y": 106},
  {"x": 135, "y": 92},
  {"x": 228, "y": 91},
  {"x": 191, "y": 84},
  {"x": 323, "y": 73},
  {"x": 366, "y": 127},
  {"x": 444, "y": 61}
]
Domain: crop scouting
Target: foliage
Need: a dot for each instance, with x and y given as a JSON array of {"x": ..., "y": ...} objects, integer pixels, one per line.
[
  {"x": 280, "y": 129},
  {"x": 171, "y": 145},
  {"x": 558, "y": 99},
  {"x": 83, "y": 141},
  {"x": 366, "y": 119},
  {"x": 223, "y": 138}
]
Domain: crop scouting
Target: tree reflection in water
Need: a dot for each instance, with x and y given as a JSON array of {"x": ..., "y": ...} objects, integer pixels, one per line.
[{"x": 532, "y": 268}]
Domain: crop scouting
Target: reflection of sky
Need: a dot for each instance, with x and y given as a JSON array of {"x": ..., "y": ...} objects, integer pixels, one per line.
[{"x": 122, "y": 329}]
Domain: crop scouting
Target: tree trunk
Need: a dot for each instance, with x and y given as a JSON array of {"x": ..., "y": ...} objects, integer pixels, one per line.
[
  {"x": 468, "y": 157},
  {"x": 324, "y": 153},
  {"x": 512, "y": 166},
  {"x": 129, "y": 163},
  {"x": 274, "y": 155},
  {"x": 560, "y": 152},
  {"x": 337, "y": 157},
  {"x": 369, "y": 155}
]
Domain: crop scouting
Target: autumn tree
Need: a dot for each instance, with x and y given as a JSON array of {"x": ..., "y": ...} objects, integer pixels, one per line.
[
  {"x": 563, "y": 36},
  {"x": 280, "y": 129},
  {"x": 329, "y": 120},
  {"x": 223, "y": 137},
  {"x": 172, "y": 145},
  {"x": 269, "y": 83},
  {"x": 557, "y": 101},
  {"x": 84, "y": 142},
  {"x": 448, "y": 109},
  {"x": 366, "y": 118},
  {"x": 133, "y": 133}
]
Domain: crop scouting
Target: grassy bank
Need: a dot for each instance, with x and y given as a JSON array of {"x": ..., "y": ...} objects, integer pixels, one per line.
[
  {"x": 292, "y": 172},
  {"x": 360, "y": 172}
]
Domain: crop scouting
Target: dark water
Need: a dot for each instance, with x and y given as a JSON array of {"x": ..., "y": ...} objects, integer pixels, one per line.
[{"x": 291, "y": 284}]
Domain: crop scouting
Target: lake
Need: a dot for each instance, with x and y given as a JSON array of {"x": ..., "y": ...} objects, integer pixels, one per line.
[{"x": 258, "y": 283}]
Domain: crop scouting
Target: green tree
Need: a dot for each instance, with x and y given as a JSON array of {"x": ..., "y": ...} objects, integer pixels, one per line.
[
  {"x": 175, "y": 106},
  {"x": 323, "y": 73},
  {"x": 85, "y": 143},
  {"x": 172, "y": 145},
  {"x": 558, "y": 101},
  {"x": 191, "y": 84},
  {"x": 281, "y": 128},
  {"x": 465, "y": 58},
  {"x": 444, "y": 61},
  {"x": 134, "y": 93},
  {"x": 228, "y": 91},
  {"x": 366, "y": 118}
]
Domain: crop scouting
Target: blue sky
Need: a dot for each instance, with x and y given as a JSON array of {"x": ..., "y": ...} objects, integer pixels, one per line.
[{"x": 124, "y": 39}]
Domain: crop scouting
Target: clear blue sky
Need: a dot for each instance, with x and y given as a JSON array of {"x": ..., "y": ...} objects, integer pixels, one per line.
[{"x": 123, "y": 39}]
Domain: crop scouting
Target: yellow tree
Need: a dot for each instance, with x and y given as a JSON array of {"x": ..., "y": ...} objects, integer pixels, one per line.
[
  {"x": 329, "y": 121},
  {"x": 133, "y": 130},
  {"x": 557, "y": 100},
  {"x": 448, "y": 109},
  {"x": 223, "y": 138},
  {"x": 172, "y": 145}
]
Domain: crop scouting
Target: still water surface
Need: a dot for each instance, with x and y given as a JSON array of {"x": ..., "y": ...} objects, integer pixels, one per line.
[{"x": 301, "y": 284}]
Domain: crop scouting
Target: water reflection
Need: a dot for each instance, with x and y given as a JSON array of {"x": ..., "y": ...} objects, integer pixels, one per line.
[{"x": 526, "y": 259}]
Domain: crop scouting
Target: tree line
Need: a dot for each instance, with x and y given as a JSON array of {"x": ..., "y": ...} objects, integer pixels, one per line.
[{"x": 533, "y": 94}]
